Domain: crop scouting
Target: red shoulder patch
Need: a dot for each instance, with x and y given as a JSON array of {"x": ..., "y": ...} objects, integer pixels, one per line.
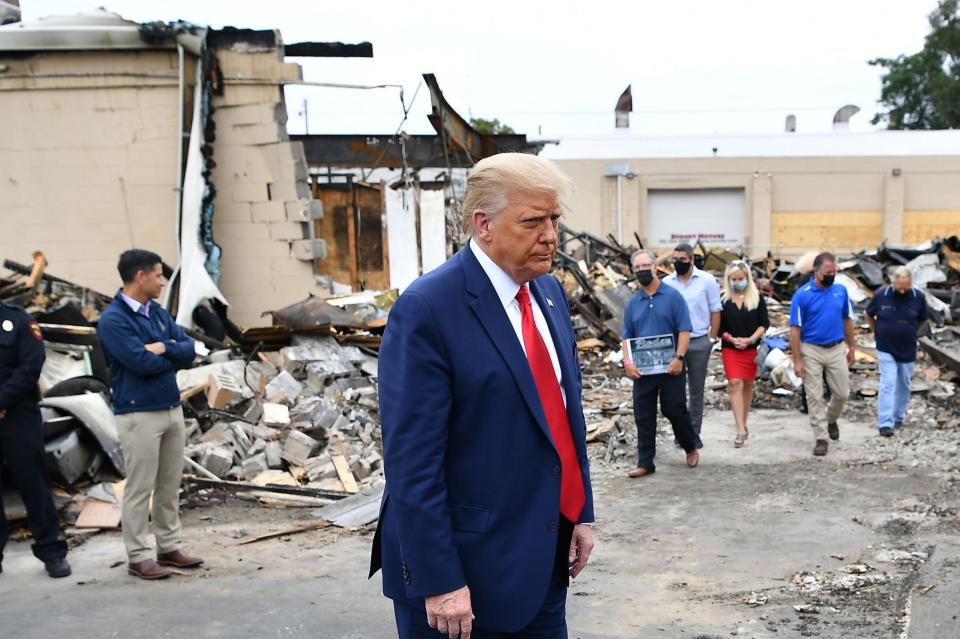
[{"x": 35, "y": 331}]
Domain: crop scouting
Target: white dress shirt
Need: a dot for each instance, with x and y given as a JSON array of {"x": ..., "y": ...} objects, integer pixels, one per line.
[{"x": 507, "y": 290}]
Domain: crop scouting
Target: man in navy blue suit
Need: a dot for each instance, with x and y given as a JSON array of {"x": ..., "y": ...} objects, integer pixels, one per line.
[{"x": 488, "y": 506}]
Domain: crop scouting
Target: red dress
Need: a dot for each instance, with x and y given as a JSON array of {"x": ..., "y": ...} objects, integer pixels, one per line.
[
  {"x": 738, "y": 321},
  {"x": 739, "y": 364}
]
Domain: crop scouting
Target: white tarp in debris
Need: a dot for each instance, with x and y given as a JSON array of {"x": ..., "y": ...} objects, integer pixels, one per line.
[
  {"x": 196, "y": 285},
  {"x": 433, "y": 229},
  {"x": 402, "y": 237}
]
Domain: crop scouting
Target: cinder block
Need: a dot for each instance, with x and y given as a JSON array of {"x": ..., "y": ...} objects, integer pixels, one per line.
[
  {"x": 251, "y": 134},
  {"x": 275, "y": 414},
  {"x": 283, "y": 389},
  {"x": 223, "y": 391},
  {"x": 218, "y": 460},
  {"x": 245, "y": 192},
  {"x": 249, "y": 114},
  {"x": 235, "y": 94},
  {"x": 272, "y": 452},
  {"x": 298, "y": 210},
  {"x": 308, "y": 250},
  {"x": 253, "y": 466},
  {"x": 287, "y": 191},
  {"x": 269, "y": 212},
  {"x": 286, "y": 230},
  {"x": 229, "y": 231},
  {"x": 298, "y": 447}
]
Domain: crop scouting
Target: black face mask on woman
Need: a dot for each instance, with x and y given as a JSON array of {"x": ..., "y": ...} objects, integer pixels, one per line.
[
  {"x": 682, "y": 267},
  {"x": 645, "y": 277}
]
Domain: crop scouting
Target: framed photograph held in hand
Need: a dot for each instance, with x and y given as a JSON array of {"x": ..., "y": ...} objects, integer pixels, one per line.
[{"x": 652, "y": 354}]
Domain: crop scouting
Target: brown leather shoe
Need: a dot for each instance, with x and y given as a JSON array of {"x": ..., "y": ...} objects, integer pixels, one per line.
[
  {"x": 636, "y": 473},
  {"x": 178, "y": 559},
  {"x": 693, "y": 458},
  {"x": 148, "y": 569}
]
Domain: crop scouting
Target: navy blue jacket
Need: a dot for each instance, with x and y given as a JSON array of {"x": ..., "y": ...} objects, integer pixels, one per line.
[
  {"x": 473, "y": 489},
  {"x": 143, "y": 381},
  {"x": 898, "y": 318},
  {"x": 21, "y": 358}
]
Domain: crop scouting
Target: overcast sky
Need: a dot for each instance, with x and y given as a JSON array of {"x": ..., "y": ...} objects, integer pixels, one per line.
[{"x": 556, "y": 68}]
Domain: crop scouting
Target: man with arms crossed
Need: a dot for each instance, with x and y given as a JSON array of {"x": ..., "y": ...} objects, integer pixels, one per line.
[{"x": 144, "y": 348}]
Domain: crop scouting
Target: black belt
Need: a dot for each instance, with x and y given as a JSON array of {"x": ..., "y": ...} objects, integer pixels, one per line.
[{"x": 830, "y": 345}]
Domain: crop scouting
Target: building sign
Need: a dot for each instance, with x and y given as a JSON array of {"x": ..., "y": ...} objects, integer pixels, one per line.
[{"x": 715, "y": 217}]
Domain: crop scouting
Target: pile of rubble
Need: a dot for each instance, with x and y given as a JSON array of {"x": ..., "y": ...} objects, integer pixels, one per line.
[
  {"x": 286, "y": 414},
  {"x": 304, "y": 416},
  {"x": 596, "y": 275}
]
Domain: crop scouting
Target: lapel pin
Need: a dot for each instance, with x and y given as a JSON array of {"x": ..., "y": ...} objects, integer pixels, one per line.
[{"x": 549, "y": 302}]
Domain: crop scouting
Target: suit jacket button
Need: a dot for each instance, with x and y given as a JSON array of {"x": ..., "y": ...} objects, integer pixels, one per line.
[
  {"x": 556, "y": 470},
  {"x": 554, "y": 526}
]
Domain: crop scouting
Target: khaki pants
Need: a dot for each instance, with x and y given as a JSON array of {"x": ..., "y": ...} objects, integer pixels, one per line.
[
  {"x": 152, "y": 445},
  {"x": 818, "y": 360}
]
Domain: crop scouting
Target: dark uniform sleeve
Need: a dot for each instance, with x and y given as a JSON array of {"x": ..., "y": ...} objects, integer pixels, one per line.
[{"x": 26, "y": 371}]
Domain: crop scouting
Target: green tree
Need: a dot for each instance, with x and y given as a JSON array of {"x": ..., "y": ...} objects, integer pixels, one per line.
[
  {"x": 922, "y": 91},
  {"x": 490, "y": 127}
]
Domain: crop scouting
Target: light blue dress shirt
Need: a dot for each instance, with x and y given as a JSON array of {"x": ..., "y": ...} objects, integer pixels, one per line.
[{"x": 702, "y": 294}]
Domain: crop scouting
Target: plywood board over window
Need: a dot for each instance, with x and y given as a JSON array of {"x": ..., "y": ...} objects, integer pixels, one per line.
[
  {"x": 920, "y": 226},
  {"x": 353, "y": 228},
  {"x": 793, "y": 232}
]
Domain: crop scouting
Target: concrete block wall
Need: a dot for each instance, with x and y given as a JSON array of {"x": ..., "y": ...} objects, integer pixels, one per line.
[
  {"x": 89, "y": 169},
  {"x": 88, "y": 165},
  {"x": 262, "y": 190}
]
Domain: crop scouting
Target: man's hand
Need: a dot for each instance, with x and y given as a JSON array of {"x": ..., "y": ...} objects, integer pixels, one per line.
[
  {"x": 675, "y": 367},
  {"x": 851, "y": 357},
  {"x": 157, "y": 348},
  {"x": 3, "y": 413},
  {"x": 631, "y": 370},
  {"x": 798, "y": 368},
  {"x": 581, "y": 544},
  {"x": 451, "y": 614}
]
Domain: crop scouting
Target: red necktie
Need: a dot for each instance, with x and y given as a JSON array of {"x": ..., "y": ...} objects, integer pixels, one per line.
[{"x": 548, "y": 388}]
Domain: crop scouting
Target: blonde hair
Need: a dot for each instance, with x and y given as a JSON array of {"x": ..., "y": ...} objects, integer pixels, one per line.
[
  {"x": 751, "y": 296},
  {"x": 494, "y": 178}
]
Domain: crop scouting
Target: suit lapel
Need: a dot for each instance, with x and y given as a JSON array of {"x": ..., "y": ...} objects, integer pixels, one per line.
[{"x": 490, "y": 312}]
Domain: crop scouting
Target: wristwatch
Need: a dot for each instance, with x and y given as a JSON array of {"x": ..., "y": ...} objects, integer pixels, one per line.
[{"x": 680, "y": 357}]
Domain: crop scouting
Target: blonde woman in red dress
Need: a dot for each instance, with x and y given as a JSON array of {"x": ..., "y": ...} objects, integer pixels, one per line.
[{"x": 743, "y": 321}]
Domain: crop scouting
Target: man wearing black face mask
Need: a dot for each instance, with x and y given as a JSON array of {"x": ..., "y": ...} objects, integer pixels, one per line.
[
  {"x": 896, "y": 313},
  {"x": 702, "y": 295},
  {"x": 821, "y": 341},
  {"x": 657, "y": 311}
]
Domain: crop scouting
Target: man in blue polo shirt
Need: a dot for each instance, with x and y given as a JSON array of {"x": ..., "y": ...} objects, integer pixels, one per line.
[
  {"x": 820, "y": 324},
  {"x": 658, "y": 310},
  {"x": 896, "y": 313}
]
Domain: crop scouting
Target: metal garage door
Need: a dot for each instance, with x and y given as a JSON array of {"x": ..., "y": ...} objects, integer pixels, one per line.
[{"x": 716, "y": 217}]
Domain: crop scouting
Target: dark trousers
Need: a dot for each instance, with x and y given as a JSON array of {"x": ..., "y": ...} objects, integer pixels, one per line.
[
  {"x": 550, "y": 622},
  {"x": 21, "y": 450},
  {"x": 671, "y": 389}
]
